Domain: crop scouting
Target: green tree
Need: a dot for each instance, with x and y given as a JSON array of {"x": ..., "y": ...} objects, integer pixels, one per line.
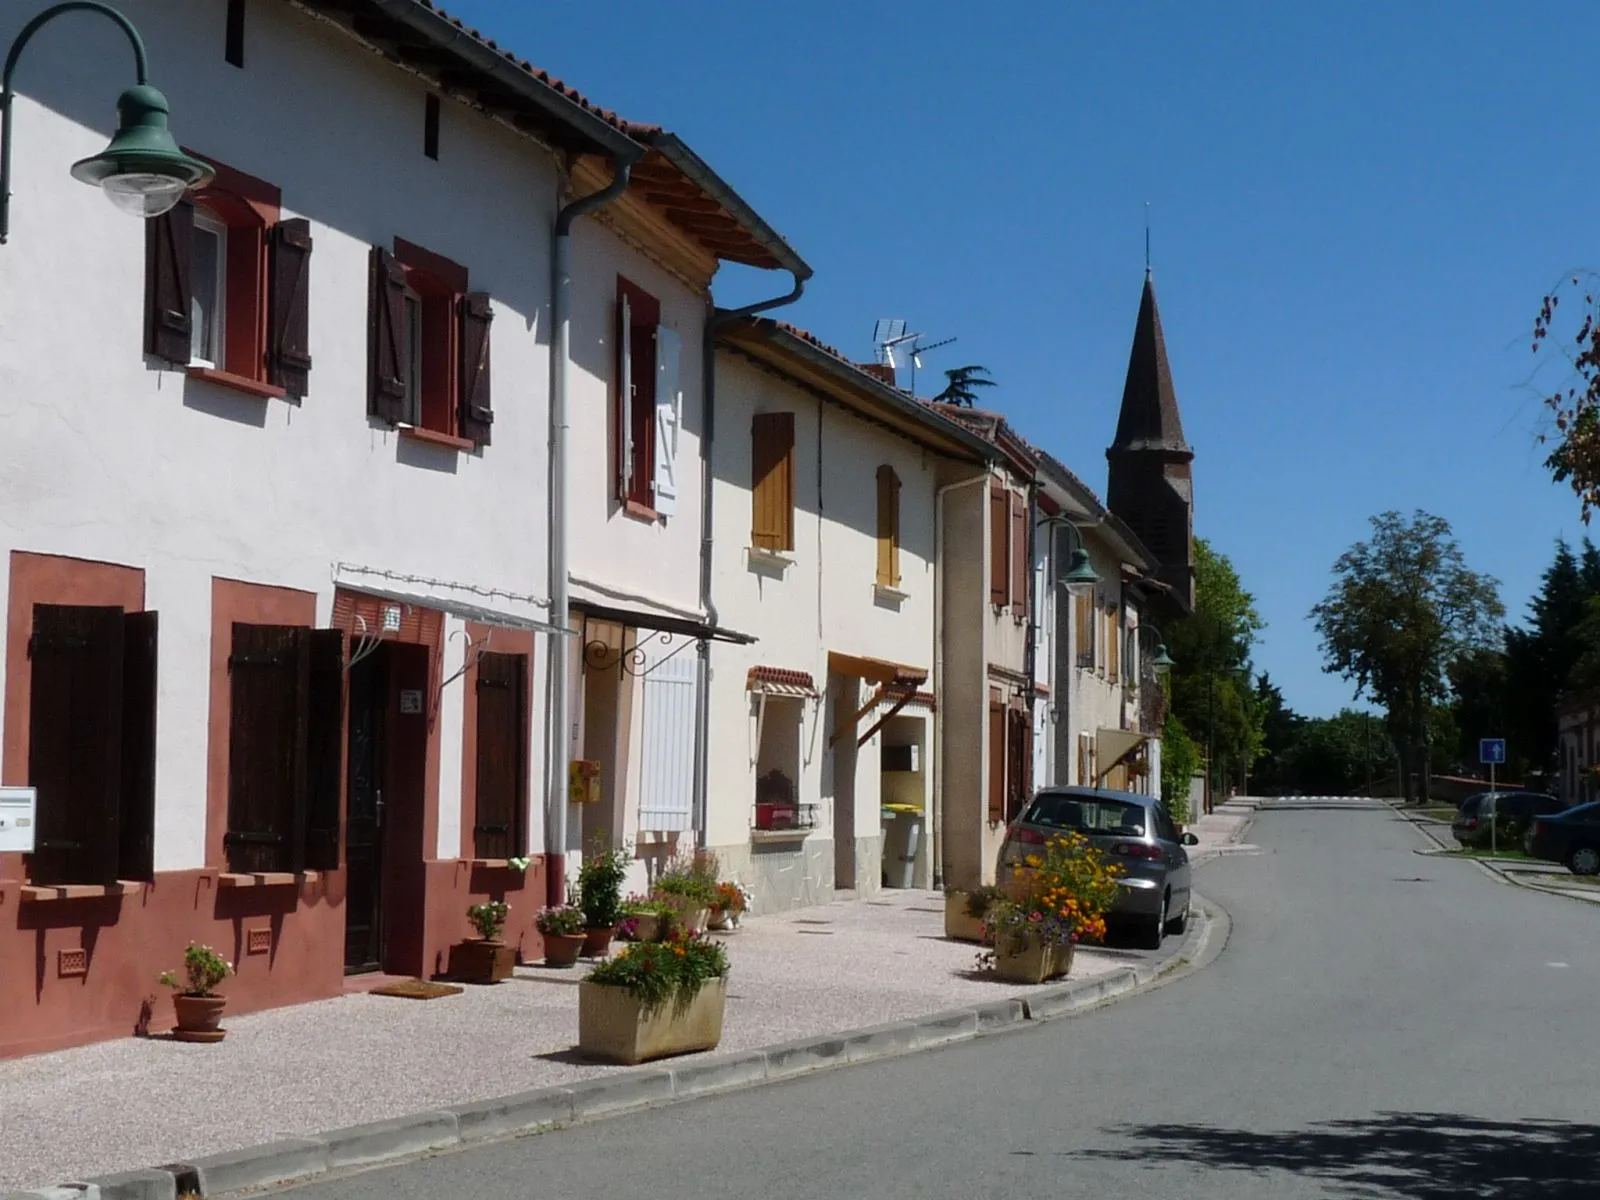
[
  {"x": 1281, "y": 728},
  {"x": 1574, "y": 405},
  {"x": 1338, "y": 756},
  {"x": 961, "y": 384},
  {"x": 1180, "y": 759},
  {"x": 1402, "y": 607}
]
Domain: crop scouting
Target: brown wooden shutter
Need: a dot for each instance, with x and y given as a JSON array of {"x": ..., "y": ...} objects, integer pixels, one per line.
[
  {"x": 136, "y": 831},
  {"x": 772, "y": 481},
  {"x": 75, "y": 742},
  {"x": 1083, "y": 630},
  {"x": 1000, "y": 540},
  {"x": 324, "y": 749},
  {"x": 168, "y": 259},
  {"x": 389, "y": 362},
  {"x": 888, "y": 527},
  {"x": 502, "y": 756},
  {"x": 997, "y": 760},
  {"x": 1019, "y": 555},
  {"x": 268, "y": 684},
  {"x": 1114, "y": 646},
  {"x": 477, "y": 415},
  {"x": 289, "y": 308},
  {"x": 1016, "y": 761}
]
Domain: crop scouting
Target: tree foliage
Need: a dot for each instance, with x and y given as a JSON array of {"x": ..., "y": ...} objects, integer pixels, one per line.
[
  {"x": 1404, "y": 606},
  {"x": 961, "y": 384},
  {"x": 1574, "y": 407},
  {"x": 1180, "y": 759}
]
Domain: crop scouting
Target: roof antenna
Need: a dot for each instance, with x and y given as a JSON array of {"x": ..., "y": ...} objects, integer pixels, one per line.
[{"x": 1147, "y": 239}]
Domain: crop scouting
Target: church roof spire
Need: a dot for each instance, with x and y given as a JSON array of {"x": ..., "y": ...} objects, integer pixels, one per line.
[{"x": 1149, "y": 419}]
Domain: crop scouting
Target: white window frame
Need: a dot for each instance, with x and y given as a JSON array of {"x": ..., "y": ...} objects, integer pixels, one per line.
[{"x": 206, "y": 222}]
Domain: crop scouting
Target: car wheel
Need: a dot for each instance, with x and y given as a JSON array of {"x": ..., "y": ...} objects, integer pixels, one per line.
[
  {"x": 1157, "y": 928},
  {"x": 1584, "y": 861},
  {"x": 1177, "y": 925}
]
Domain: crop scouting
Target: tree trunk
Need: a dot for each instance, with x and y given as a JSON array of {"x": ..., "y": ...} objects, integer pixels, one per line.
[
  {"x": 1402, "y": 752},
  {"x": 1425, "y": 782}
]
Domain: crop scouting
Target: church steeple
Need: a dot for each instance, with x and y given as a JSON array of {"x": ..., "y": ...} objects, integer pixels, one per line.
[{"x": 1151, "y": 484}]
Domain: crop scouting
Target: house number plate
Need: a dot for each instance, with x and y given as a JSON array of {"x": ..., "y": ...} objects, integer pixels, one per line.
[{"x": 411, "y": 701}]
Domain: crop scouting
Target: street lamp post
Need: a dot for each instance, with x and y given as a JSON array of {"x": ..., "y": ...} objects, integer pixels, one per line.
[
  {"x": 1080, "y": 574},
  {"x": 142, "y": 171}
]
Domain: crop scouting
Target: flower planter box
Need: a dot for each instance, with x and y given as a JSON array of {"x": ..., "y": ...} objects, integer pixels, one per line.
[
  {"x": 689, "y": 915},
  {"x": 199, "y": 1018},
  {"x": 479, "y": 961},
  {"x": 1032, "y": 963},
  {"x": 613, "y": 1024},
  {"x": 646, "y": 927},
  {"x": 959, "y": 923}
]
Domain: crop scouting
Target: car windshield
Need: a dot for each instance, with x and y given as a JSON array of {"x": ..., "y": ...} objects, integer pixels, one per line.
[{"x": 1087, "y": 814}]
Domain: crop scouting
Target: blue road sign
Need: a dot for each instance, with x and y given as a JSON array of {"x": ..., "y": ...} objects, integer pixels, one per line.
[{"x": 1492, "y": 750}]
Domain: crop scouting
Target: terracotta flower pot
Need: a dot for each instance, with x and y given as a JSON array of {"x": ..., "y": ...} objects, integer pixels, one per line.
[
  {"x": 199, "y": 1018},
  {"x": 562, "y": 949},
  {"x": 597, "y": 942}
]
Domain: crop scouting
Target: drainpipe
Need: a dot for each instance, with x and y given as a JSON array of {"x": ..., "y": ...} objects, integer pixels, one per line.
[
  {"x": 715, "y": 319},
  {"x": 936, "y": 818},
  {"x": 560, "y": 643},
  {"x": 1030, "y": 651}
]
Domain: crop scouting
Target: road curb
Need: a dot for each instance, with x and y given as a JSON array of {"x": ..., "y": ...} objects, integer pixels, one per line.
[
  {"x": 1424, "y": 827},
  {"x": 384, "y": 1143}
]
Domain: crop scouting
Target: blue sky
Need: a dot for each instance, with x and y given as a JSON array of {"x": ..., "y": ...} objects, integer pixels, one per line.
[{"x": 1356, "y": 210}]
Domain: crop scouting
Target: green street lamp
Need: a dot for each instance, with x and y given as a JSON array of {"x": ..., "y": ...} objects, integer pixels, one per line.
[
  {"x": 143, "y": 171},
  {"x": 1161, "y": 661},
  {"x": 1080, "y": 574}
]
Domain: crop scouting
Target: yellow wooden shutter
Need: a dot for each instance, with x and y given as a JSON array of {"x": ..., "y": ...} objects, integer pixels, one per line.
[
  {"x": 888, "y": 527},
  {"x": 772, "y": 481}
]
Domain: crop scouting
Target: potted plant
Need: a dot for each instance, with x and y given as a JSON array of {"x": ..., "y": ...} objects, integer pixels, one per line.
[
  {"x": 726, "y": 908},
  {"x": 654, "y": 999},
  {"x": 561, "y": 927},
  {"x": 600, "y": 894},
  {"x": 1045, "y": 911},
  {"x": 488, "y": 959},
  {"x": 645, "y": 919},
  {"x": 197, "y": 1005},
  {"x": 689, "y": 885},
  {"x": 966, "y": 911}
]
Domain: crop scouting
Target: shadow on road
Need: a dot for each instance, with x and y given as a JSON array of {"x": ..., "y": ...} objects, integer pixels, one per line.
[{"x": 1414, "y": 1156}]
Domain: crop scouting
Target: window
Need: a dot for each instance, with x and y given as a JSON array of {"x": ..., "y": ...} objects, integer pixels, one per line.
[
  {"x": 91, "y": 744},
  {"x": 772, "y": 482},
  {"x": 1085, "y": 621},
  {"x": 285, "y": 720},
  {"x": 428, "y": 348},
  {"x": 227, "y": 288},
  {"x": 648, "y": 411},
  {"x": 1085, "y": 814},
  {"x": 888, "y": 527},
  {"x": 233, "y": 49},
  {"x": 1019, "y": 760},
  {"x": 1019, "y": 556},
  {"x": 1008, "y": 550},
  {"x": 502, "y": 737}
]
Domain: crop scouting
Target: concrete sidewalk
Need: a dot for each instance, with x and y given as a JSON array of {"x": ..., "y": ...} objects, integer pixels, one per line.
[
  {"x": 1520, "y": 872},
  {"x": 1221, "y": 831},
  {"x": 295, "y": 1071}
]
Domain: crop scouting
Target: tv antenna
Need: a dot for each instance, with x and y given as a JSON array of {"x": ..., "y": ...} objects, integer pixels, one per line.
[{"x": 895, "y": 345}]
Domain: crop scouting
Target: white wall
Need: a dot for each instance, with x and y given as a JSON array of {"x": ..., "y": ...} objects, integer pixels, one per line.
[{"x": 105, "y": 457}]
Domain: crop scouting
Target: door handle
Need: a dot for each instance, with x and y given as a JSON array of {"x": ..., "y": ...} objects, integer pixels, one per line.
[{"x": 378, "y": 807}]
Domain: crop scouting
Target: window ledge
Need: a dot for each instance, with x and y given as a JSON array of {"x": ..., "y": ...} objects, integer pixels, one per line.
[
  {"x": 889, "y": 595},
  {"x": 416, "y": 433},
  {"x": 35, "y": 893},
  {"x": 641, "y": 512},
  {"x": 238, "y": 383},
  {"x": 770, "y": 560},
  {"x": 236, "y": 879},
  {"x": 760, "y": 836}
]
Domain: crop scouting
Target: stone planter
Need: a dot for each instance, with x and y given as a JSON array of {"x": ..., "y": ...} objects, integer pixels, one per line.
[
  {"x": 562, "y": 949},
  {"x": 614, "y": 1025},
  {"x": 647, "y": 927},
  {"x": 199, "y": 1018},
  {"x": 480, "y": 961},
  {"x": 959, "y": 923},
  {"x": 597, "y": 941},
  {"x": 1032, "y": 963},
  {"x": 717, "y": 918},
  {"x": 690, "y": 915}
]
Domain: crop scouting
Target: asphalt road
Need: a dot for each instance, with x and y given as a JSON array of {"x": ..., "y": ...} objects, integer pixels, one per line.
[{"x": 1381, "y": 1025}]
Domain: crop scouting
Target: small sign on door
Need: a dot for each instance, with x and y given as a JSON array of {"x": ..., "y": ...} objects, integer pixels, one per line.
[{"x": 411, "y": 701}]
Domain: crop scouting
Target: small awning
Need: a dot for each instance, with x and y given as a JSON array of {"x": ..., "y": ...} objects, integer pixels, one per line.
[
  {"x": 896, "y": 676},
  {"x": 640, "y": 619},
  {"x": 779, "y": 681},
  {"x": 456, "y": 608},
  {"x": 1113, "y": 747}
]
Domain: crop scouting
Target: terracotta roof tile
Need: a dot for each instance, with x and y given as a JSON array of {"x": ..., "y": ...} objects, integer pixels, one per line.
[{"x": 780, "y": 676}]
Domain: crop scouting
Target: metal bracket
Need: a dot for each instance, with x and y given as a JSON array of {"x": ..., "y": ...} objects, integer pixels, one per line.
[{"x": 475, "y": 651}]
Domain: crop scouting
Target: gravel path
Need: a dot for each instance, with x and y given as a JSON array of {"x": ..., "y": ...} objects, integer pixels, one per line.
[{"x": 310, "y": 1067}]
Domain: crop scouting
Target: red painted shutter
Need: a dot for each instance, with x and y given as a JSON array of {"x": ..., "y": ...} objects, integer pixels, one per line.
[
  {"x": 289, "y": 328},
  {"x": 324, "y": 785},
  {"x": 168, "y": 256},
  {"x": 388, "y": 360},
  {"x": 477, "y": 415},
  {"x": 136, "y": 832},
  {"x": 268, "y": 682},
  {"x": 1019, "y": 555},
  {"x": 502, "y": 756},
  {"x": 997, "y": 761},
  {"x": 75, "y": 742},
  {"x": 999, "y": 541}
]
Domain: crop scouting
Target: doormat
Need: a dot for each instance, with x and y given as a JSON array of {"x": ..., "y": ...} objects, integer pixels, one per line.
[{"x": 417, "y": 989}]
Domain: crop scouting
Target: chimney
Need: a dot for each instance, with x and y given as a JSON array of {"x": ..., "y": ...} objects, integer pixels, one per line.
[{"x": 882, "y": 372}]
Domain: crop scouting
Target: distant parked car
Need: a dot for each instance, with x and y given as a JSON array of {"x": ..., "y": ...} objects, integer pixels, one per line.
[
  {"x": 1571, "y": 837},
  {"x": 1513, "y": 812},
  {"x": 1135, "y": 832}
]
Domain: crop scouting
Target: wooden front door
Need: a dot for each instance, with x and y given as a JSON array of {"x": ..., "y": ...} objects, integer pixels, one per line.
[{"x": 363, "y": 910}]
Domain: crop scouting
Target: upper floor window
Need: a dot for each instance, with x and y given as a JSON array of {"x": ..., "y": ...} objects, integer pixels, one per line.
[
  {"x": 1008, "y": 549},
  {"x": 648, "y": 408},
  {"x": 772, "y": 481},
  {"x": 429, "y": 347},
  {"x": 888, "y": 527},
  {"x": 227, "y": 287}
]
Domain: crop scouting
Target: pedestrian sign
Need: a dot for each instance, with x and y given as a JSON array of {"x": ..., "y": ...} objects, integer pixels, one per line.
[{"x": 1492, "y": 751}]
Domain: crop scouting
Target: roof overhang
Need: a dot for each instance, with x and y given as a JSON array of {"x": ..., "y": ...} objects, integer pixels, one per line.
[
  {"x": 1080, "y": 505},
  {"x": 633, "y": 618},
  {"x": 811, "y": 365},
  {"x": 877, "y": 670}
]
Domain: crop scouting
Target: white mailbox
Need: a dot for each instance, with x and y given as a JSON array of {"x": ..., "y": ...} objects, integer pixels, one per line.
[{"x": 17, "y": 819}]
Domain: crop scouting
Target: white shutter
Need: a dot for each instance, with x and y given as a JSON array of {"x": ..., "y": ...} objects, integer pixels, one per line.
[
  {"x": 625, "y": 392},
  {"x": 666, "y": 782},
  {"x": 669, "y": 415}
]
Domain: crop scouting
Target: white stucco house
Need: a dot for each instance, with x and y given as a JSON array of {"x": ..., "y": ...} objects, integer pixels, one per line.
[{"x": 825, "y": 482}]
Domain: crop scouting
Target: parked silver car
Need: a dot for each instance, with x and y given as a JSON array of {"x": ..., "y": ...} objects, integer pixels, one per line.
[{"x": 1135, "y": 832}]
